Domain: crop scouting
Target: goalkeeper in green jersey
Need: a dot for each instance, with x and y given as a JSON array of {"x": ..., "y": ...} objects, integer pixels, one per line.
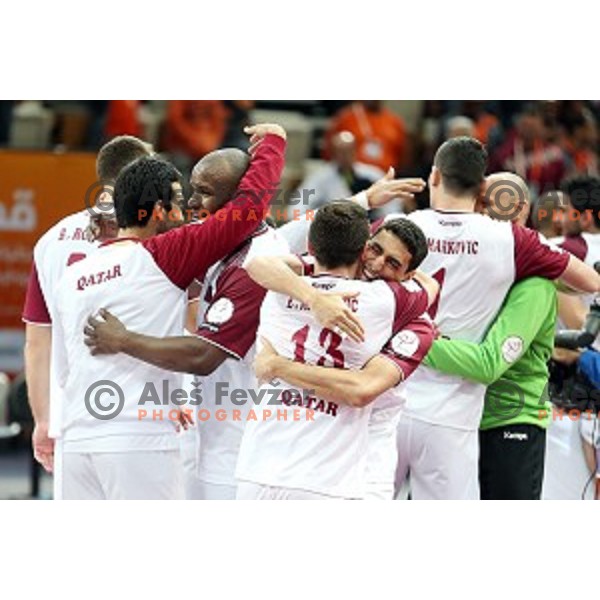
[{"x": 512, "y": 362}]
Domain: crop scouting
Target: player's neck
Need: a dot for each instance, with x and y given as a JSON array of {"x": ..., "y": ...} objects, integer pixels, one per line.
[
  {"x": 141, "y": 233},
  {"x": 347, "y": 272},
  {"x": 455, "y": 203}
]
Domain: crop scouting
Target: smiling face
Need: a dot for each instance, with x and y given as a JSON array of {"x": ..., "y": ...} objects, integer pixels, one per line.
[
  {"x": 386, "y": 257},
  {"x": 204, "y": 192}
]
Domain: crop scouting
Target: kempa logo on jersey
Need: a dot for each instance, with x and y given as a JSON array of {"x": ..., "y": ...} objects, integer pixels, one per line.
[
  {"x": 520, "y": 437},
  {"x": 104, "y": 399}
]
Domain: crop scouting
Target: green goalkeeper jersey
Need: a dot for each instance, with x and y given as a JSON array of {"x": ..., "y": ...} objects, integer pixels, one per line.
[{"x": 512, "y": 359}]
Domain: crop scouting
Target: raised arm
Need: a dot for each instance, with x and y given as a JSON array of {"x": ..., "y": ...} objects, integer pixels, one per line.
[
  {"x": 378, "y": 194},
  {"x": 513, "y": 331},
  {"x": 186, "y": 253}
]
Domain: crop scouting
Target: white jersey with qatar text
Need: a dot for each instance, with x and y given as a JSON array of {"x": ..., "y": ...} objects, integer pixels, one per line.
[
  {"x": 144, "y": 283},
  {"x": 124, "y": 278},
  {"x": 305, "y": 442},
  {"x": 62, "y": 245},
  {"x": 475, "y": 260}
]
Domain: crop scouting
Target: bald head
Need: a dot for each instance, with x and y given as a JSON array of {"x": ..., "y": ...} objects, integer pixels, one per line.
[
  {"x": 506, "y": 197},
  {"x": 343, "y": 149},
  {"x": 216, "y": 177}
]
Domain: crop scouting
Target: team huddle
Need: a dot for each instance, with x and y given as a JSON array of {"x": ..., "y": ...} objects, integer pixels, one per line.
[{"x": 223, "y": 358}]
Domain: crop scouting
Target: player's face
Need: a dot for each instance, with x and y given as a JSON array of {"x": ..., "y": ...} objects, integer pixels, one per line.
[
  {"x": 385, "y": 257},
  {"x": 173, "y": 217},
  {"x": 204, "y": 193},
  {"x": 571, "y": 222}
]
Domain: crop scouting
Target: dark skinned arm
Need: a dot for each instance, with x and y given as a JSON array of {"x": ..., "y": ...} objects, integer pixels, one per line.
[{"x": 184, "y": 354}]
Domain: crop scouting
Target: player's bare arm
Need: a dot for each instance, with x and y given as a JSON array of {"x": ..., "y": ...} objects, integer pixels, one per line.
[
  {"x": 353, "y": 388},
  {"x": 581, "y": 277},
  {"x": 182, "y": 354},
  {"x": 387, "y": 189},
  {"x": 429, "y": 284},
  {"x": 273, "y": 273},
  {"x": 571, "y": 310},
  {"x": 38, "y": 341}
]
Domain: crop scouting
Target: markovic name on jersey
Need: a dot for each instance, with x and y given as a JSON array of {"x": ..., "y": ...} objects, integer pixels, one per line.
[{"x": 452, "y": 246}]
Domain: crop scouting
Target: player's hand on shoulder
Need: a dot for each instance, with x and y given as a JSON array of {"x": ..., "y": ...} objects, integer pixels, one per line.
[
  {"x": 332, "y": 312},
  {"x": 106, "y": 336}
]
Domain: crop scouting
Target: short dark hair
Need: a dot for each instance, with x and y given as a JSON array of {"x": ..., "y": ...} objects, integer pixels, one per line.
[
  {"x": 462, "y": 161},
  {"x": 140, "y": 186},
  {"x": 584, "y": 194},
  {"x": 411, "y": 235},
  {"x": 116, "y": 154},
  {"x": 339, "y": 233}
]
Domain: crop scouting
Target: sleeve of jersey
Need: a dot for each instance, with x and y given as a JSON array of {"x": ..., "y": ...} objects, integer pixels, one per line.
[
  {"x": 576, "y": 245},
  {"x": 35, "y": 310},
  {"x": 535, "y": 255},
  {"x": 511, "y": 334},
  {"x": 408, "y": 347},
  {"x": 187, "y": 252},
  {"x": 231, "y": 319},
  {"x": 411, "y": 303}
]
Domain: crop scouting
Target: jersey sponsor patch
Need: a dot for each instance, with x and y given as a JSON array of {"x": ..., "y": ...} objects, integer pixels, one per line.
[
  {"x": 405, "y": 343},
  {"x": 220, "y": 312},
  {"x": 512, "y": 349}
]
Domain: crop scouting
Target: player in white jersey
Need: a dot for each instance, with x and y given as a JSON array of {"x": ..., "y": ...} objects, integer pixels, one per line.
[
  {"x": 221, "y": 338},
  {"x": 321, "y": 445},
  {"x": 113, "y": 449},
  {"x": 475, "y": 260},
  {"x": 63, "y": 244},
  {"x": 394, "y": 251}
]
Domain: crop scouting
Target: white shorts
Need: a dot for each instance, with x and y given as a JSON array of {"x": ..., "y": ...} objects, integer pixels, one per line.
[
  {"x": 140, "y": 475},
  {"x": 382, "y": 453},
  {"x": 204, "y": 490},
  {"x": 247, "y": 490},
  {"x": 441, "y": 462}
]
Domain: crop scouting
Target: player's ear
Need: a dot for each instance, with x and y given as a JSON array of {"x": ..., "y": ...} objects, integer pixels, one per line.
[
  {"x": 435, "y": 178},
  {"x": 310, "y": 249}
]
